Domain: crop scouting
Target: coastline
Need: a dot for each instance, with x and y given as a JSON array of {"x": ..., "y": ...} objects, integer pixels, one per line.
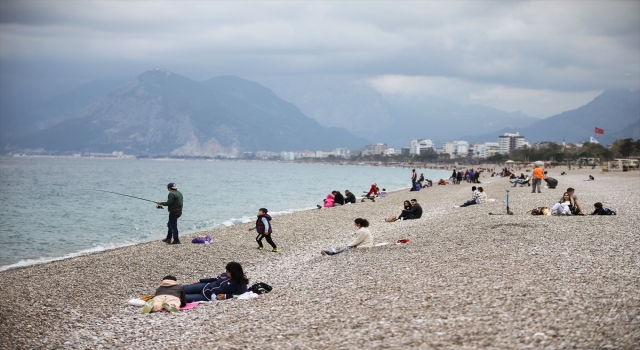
[{"x": 459, "y": 282}]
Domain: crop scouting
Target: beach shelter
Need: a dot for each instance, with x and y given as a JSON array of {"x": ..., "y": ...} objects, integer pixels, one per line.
[
  {"x": 509, "y": 162},
  {"x": 539, "y": 163}
]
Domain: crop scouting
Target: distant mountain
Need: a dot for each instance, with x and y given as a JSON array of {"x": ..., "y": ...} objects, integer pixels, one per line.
[
  {"x": 19, "y": 122},
  {"x": 615, "y": 111},
  {"x": 335, "y": 101},
  {"x": 160, "y": 112},
  {"x": 441, "y": 120},
  {"x": 353, "y": 103}
]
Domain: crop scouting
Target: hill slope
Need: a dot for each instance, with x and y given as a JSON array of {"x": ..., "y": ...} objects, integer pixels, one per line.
[{"x": 160, "y": 112}]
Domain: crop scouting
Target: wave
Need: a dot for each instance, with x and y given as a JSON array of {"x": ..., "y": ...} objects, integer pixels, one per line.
[{"x": 99, "y": 248}]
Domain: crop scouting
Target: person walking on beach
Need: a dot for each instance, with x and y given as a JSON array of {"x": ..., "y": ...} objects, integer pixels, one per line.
[
  {"x": 174, "y": 206},
  {"x": 264, "y": 229},
  {"x": 538, "y": 175}
]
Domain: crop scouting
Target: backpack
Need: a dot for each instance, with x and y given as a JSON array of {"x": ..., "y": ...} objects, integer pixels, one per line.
[
  {"x": 539, "y": 211},
  {"x": 260, "y": 288}
]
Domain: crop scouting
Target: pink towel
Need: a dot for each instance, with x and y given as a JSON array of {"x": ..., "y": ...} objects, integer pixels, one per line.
[{"x": 189, "y": 306}]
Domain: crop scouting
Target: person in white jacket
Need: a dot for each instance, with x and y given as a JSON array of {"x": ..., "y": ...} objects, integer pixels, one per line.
[{"x": 363, "y": 239}]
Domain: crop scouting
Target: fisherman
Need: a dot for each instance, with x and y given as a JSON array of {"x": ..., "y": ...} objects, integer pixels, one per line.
[{"x": 174, "y": 206}]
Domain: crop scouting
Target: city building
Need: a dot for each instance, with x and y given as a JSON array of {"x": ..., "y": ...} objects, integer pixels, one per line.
[
  {"x": 373, "y": 149},
  {"x": 484, "y": 150},
  {"x": 338, "y": 152},
  {"x": 405, "y": 151},
  {"x": 290, "y": 156},
  {"x": 420, "y": 146},
  {"x": 510, "y": 141}
]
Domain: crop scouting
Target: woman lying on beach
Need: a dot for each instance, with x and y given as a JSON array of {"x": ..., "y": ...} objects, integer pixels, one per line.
[
  {"x": 224, "y": 286},
  {"x": 363, "y": 239}
]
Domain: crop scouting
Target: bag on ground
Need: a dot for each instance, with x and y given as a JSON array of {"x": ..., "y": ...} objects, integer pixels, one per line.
[{"x": 260, "y": 288}]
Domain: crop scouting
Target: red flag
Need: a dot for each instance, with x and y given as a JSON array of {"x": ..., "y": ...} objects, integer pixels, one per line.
[{"x": 599, "y": 131}]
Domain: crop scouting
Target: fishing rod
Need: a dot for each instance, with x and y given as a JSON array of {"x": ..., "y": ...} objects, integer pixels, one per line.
[{"x": 126, "y": 195}]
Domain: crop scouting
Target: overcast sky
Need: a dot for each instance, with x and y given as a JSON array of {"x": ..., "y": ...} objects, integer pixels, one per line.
[{"x": 541, "y": 57}]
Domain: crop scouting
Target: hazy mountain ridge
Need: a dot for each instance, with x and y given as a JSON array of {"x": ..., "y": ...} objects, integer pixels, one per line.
[
  {"x": 160, "y": 112},
  {"x": 615, "y": 111}
]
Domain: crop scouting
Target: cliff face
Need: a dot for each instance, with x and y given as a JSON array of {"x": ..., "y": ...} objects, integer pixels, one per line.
[{"x": 160, "y": 112}]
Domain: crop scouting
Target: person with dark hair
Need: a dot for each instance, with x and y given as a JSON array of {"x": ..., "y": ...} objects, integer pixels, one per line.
[
  {"x": 590, "y": 178},
  {"x": 459, "y": 178},
  {"x": 476, "y": 198},
  {"x": 349, "y": 197},
  {"x": 264, "y": 229},
  {"x": 174, "y": 206},
  {"x": 169, "y": 296},
  {"x": 338, "y": 198},
  {"x": 414, "y": 178},
  {"x": 577, "y": 208},
  {"x": 599, "y": 210},
  {"x": 414, "y": 211},
  {"x": 224, "y": 286},
  {"x": 551, "y": 182},
  {"x": 363, "y": 238}
]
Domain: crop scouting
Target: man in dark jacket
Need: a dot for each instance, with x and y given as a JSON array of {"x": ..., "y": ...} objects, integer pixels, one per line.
[
  {"x": 338, "y": 198},
  {"x": 350, "y": 197},
  {"x": 174, "y": 206},
  {"x": 415, "y": 212}
]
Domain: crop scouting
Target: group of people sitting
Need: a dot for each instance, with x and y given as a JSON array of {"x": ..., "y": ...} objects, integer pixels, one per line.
[
  {"x": 336, "y": 199},
  {"x": 478, "y": 196},
  {"x": 412, "y": 210}
]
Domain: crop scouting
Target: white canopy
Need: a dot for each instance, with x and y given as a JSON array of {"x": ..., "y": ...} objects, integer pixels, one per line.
[{"x": 509, "y": 161}]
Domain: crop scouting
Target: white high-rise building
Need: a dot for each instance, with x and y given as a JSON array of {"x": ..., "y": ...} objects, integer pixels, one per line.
[
  {"x": 510, "y": 141},
  {"x": 419, "y": 146},
  {"x": 460, "y": 148},
  {"x": 485, "y": 150}
]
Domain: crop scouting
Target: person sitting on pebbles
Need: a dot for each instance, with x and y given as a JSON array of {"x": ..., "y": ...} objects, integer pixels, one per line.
[
  {"x": 363, "y": 239},
  {"x": 169, "y": 296},
  {"x": 224, "y": 286}
]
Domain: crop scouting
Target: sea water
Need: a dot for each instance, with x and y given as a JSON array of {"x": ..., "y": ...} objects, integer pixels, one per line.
[{"x": 50, "y": 212}]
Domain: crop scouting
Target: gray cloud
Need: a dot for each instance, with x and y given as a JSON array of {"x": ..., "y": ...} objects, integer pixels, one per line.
[{"x": 511, "y": 46}]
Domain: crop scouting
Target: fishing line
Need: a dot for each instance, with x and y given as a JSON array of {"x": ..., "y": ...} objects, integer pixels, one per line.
[{"x": 126, "y": 195}]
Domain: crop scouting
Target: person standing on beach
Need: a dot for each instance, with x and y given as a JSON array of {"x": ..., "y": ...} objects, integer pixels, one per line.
[
  {"x": 538, "y": 175},
  {"x": 264, "y": 229},
  {"x": 174, "y": 206},
  {"x": 414, "y": 178}
]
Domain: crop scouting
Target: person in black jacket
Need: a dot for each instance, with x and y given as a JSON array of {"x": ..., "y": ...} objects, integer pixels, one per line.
[
  {"x": 224, "y": 286},
  {"x": 350, "y": 197},
  {"x": 415, "y": 212},
  {"x": 338, "y": 198},
  {"x": 169, "y": 296}
]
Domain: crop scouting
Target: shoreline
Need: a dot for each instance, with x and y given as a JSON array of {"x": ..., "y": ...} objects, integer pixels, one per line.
[{"x": 466, "y": 279}]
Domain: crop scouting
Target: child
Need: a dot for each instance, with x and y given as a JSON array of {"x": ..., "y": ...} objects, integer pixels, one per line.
[
  {"x": 599, "y": 210},
  {"x": 169, "y": 296},
  {"x": 264, "y": 229}
]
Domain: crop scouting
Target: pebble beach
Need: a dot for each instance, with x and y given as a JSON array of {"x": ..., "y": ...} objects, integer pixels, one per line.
[{"x": 465, "y": 280}]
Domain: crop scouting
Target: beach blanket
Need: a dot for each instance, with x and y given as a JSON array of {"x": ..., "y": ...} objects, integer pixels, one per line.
[{"x": 189, "y": 306}]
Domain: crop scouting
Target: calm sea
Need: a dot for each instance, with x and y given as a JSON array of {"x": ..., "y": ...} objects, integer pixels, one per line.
[{"x": 48, "y": 213}]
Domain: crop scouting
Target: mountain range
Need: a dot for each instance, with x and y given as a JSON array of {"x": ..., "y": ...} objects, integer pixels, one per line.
[
  {"x": 159, "y": 112},
  {"x": 617, "y": 112},
  {"x": 163, "y": 113}
]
